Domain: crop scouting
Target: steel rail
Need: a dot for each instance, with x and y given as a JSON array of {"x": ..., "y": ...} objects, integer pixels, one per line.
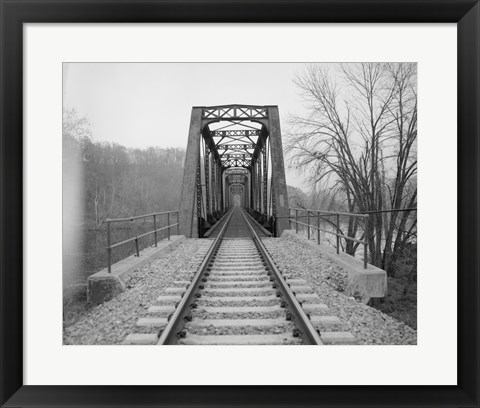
[
  {"x": 310, "y": 335},
  {"x": 177, "y": 319}
]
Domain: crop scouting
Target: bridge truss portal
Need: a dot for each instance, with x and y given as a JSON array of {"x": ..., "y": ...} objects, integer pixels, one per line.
[{"x": 234, "y": 157}]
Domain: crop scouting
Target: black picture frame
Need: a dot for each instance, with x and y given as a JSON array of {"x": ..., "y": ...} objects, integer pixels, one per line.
[{"x": 465, "y": 13}]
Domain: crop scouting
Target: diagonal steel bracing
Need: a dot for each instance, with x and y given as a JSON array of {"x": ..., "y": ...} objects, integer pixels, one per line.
[{"x": 233, "y": 150}]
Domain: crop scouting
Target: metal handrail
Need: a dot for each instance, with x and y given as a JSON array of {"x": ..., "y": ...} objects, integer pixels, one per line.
[
  {"x": 337, "y": 227},
  {"x": 388, "y": 211},
  {"x": 135, "y": 239},
  {"x": 360, "y": 215}
]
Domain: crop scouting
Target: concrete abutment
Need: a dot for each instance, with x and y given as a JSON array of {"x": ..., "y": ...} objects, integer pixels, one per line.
[
  {"x": 365, "y": 283},
  {"x": 103, "y": 286}
]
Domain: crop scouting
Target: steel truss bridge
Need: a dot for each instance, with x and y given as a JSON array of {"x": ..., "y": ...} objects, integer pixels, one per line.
[{"x": 234, "y": 156}]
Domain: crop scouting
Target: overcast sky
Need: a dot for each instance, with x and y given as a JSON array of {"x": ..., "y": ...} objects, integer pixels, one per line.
[{"x": 142, "y": 105}]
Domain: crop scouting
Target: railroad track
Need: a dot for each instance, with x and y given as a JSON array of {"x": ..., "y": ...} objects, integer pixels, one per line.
[{"x": 238, "y": 296}]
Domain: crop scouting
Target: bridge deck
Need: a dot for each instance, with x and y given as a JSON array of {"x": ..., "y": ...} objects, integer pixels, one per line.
[{"x": 238, "y": 227}]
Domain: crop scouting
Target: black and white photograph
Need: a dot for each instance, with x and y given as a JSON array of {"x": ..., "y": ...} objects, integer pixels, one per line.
[
  {"x": 240, "y": 181},
  {"x": 239, "y": 203}
]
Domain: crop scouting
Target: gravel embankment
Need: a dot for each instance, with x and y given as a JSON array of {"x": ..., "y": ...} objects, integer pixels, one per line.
[
  {"x": 112, "y": 321},
  {"x": 368, "y": 325}
]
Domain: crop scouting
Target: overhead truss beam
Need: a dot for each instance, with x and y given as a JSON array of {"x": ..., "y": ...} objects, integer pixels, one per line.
[
  {"x": 235, "y": 146},
  {"x": 235, "y": 112},
  {"x": 236, "y": 133}
]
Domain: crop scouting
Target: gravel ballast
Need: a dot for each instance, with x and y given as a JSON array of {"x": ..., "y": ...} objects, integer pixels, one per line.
[
  {"x": 219, "y": 309},
  {"x": 328, "y": 280},
  {"x": 112, "y": 321}
]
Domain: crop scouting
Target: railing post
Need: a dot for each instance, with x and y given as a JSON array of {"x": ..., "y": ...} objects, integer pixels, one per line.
[
  {"x": 289, "y": 218},
  {"x": 338, "y": 238},
  {"x": 178, "y": 225},
  {"x": 365, "y": 244},
  {"x": 136, "y": 247},
  {"x": 168, "y": 223},
  {"x": 318, "y": 228},
  {"x": 296, "y": 221},
  {"x": 109, "y": 250},
  {"x": 308, "y": 225},
  {"x": 155, "y": 227}
]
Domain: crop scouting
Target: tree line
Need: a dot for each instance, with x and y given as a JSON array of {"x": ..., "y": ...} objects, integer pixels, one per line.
[{"x": 118, "y": 181}]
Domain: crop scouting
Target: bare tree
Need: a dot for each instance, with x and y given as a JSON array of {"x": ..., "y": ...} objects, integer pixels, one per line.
[
  {"x": 360, "y": 139},
  {"x": 75, "y": 126}
]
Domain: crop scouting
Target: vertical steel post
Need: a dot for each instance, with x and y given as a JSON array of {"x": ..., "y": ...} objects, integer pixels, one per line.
[
  {"x": 220, "y": 187},
  {"x": 365, "y": 245},
  {"x": 318, "y": 227},
  {"x": 338, "y": 238},
  {"x": 109, "y": 250},
  {"x": 155, "y": 227},
  {"x": 252, "y": 179},
  {"x": 178, "y": 224},
  {"x": 168, "y": 223},
  {"x": 218, "y": 177},
  {"x": 296, "y": 221},
  {"x": 308, "y": 223},
  {"x": 274, "y": 203},
  {"x": 265, "y": 180},
  {"x": 198, "y": 186},
  {"x": 207, "y": 182},
  {"x": 259, "y": 185},
  {"x": 289, "y": 218},
  {"x": 214, "y": 187},
  {"x": 188, "y": 212},
  {"x": 136, "y": 247}
]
